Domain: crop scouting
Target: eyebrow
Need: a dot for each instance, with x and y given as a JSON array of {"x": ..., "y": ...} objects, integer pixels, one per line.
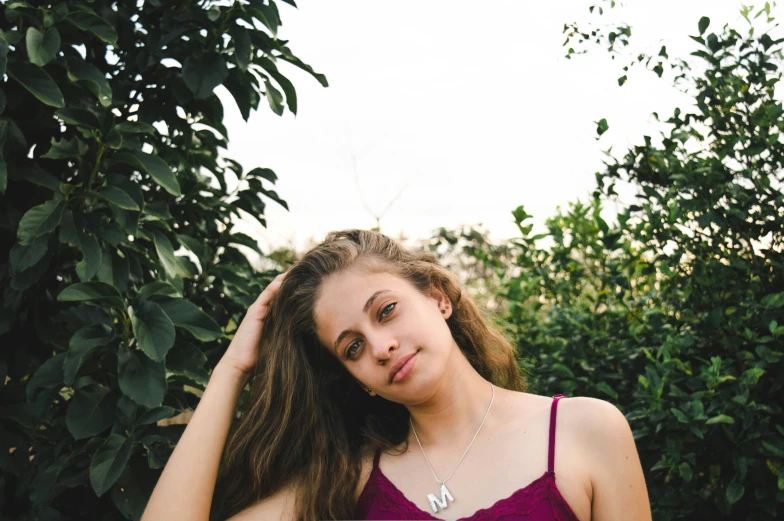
[{"x": 365, "y": 309}]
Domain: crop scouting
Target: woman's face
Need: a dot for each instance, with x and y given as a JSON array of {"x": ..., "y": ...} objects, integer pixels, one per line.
[{"x": 369, "y": 320}]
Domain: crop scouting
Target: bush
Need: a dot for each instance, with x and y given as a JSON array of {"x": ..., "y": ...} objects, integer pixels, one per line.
[
  {"x": 675, "y": 312},
  {"x": 111, "y": 162}
]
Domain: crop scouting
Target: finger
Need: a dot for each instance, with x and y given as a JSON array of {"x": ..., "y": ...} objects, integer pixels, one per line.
[{"x": 268, "y": 293}]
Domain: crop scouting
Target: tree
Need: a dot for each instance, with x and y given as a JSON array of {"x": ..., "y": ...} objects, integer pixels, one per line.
[{"x": 121, "y": 281}]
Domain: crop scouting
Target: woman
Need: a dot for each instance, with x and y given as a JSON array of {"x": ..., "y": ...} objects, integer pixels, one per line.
[{"x": 373, "y": 378}]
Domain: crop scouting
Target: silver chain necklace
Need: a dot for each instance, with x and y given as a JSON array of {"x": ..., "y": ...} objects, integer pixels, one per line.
[{"x": 444, "y": 491}]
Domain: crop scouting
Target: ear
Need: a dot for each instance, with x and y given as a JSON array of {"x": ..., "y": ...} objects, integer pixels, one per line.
[
  {"x": 442, "y": 300},
  {"x": 366, "y": 389}
]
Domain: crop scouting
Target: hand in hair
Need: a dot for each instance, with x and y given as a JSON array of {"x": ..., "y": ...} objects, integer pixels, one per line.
[{"x": 241, "y": 354}]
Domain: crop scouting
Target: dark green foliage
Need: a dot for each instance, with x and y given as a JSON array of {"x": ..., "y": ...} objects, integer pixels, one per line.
[
  {"x": 110, "y": 163},
  {"x": 674, "y": 313}
]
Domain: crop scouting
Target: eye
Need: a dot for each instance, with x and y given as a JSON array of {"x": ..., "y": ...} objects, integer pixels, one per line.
[
  {"x": 386, "y": 308},
  {"x": 349, "y": 353}
]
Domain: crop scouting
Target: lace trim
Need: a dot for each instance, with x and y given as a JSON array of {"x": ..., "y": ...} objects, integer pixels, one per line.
[{"x": 521, "y": 502}]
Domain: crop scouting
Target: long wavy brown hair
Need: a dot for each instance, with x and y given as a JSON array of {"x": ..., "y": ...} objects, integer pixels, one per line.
[{"x": 307, "y": 422}]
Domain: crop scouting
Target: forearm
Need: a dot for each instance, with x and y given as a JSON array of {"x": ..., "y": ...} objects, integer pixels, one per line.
[{"x": 187, "y": 484}]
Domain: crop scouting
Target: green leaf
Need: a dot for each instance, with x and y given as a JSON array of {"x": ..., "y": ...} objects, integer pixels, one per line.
[
  {"x": 606, "y": 389},
  {"x": 31, "y": 172},
  {"x": 94, "y": 24},
  {"x": 154, "y": 166},
  {"x": 721, "y": 418},
  {"x": 751, "y": 376},
  {"x": 153, "y": 330},
  {"x": 204, "y": 71},
  {"x": 704, "y": 23},
  {"x": 773, "y": 449},
  {"x": 3, "y": 55},
  {"x": 241, "y": 238},
  {"x": 242, "y": 47},
  {"x": 622, "y": 80},
  {"x": 199, "y": 248},
  {"x": 91, "y": 260},
  {"x": 186, "y": 269},
  {"x": 79, "y": 117},
  {"x": 157, "y": 290},
  {"x": 243, "y": 90},
  {"x": 601, "y": 126},
  {"x": 38, "y": 82},
  {"x": 157, "y": 211},
  {"x": 188, "y": 361},
  {"x": 80, "y": 346},
  {"x": 274, "y": 98},
  {"x": 249, "y": 201},
  {"x": 34, "y": 274},
  {"x": 699, "y": 39},
  {"x": 734, "y": 492},
  {"x": 127, "y": 495},
  {"x": 165, "y": 253},
  {"x": 11, "y": 135},
  {"x": 679, "y": 415},
  {"x": 285, "y": 84},
  {"x": 66, "y": 148},
  {"x": 141, "y": 379},
  {"x": 23, "y": 257},
  {"x": 158, "y": 448},
  {"x": 92, "y": 78},
  {"x": 90, "y": 411},
  {"x": 114, "y": 270},
  {"x": 267, "y": 14},
  {"x": 40, "y": 220},
  {"x": 307, "y": 68},
  {"x": 109, "y": 462},
  {"x": 187, "y": 315},
  {"x": 93, "y": 291},
  {"x": 119, "y": 198},
  {"x": 155, "y": 415},
  {"x": 135, "y": 127},
  {"x": 48, "y": 374},
  {"x": 84, "y": 241},
  {"x": 264, "y": 173},
  {"x": 685, "y": 471},
  {"x": 773, "y": 300},
  {"x": 42, "y": 47}
]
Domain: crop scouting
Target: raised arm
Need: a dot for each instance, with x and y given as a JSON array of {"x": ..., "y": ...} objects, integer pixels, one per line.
[{"x": 187, "y": 484}]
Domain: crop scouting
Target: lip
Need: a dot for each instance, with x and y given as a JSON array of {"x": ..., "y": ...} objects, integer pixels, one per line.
[{"x": 399, "y": 364}]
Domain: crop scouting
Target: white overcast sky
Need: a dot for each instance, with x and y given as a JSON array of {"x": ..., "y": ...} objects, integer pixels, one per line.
[{"x": 469, "y": 108}]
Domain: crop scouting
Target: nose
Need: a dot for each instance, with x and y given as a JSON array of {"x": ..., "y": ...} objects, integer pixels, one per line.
[{"x": 381, "y": 345}]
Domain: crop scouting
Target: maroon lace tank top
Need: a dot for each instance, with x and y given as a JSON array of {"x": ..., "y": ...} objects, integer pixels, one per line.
[{"x": 540, "y": 500}]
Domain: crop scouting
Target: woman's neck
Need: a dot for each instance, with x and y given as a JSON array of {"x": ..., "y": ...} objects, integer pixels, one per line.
[{"x": 454, "y": 413}]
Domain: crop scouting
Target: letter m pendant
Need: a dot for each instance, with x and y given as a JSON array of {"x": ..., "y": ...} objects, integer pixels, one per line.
[{"x": 442, "y": 503}]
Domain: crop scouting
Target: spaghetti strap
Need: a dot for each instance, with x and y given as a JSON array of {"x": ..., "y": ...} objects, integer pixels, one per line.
[{"x": 551, "y": 449}]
